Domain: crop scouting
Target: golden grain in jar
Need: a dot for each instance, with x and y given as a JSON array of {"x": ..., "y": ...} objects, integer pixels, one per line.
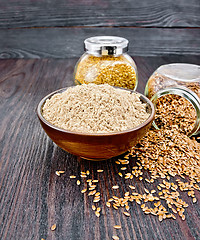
[{"x": 106, "y": 61}]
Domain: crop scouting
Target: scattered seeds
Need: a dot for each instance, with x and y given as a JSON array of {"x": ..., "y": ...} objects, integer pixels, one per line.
[
  {"x": 117, "y": 227},
  {"x": 78, "y": 182},
  {"x": 108, "y": 204},
  {"x": 123, "y": 168},
  {"x": 99, "y": 170},
  {"x": 127, "y": 214},
  {"x": 97, "y": 214},
  {"x": 115, "y": 207},
  {"x": 92, "y": 193},
  {"x": 84, "y": 190},
  {"x": 98, "y": 209},
  {"x": 147, "y": 191},
  {"x": 127, "y": 208},
  {"x": 83, "y": 175},
  {"x": 183, "y": 217},
  {"x": 115, "y": 187},
  {"x": 194, "y": 200},
  {"x": 167, "y": 154},
  {"x": 72, "y": 176},
  {"x": 53, "y": 227},
  {"x": 115, "y": 237}
]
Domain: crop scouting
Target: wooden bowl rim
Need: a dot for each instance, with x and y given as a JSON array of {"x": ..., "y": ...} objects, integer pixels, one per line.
[{"x": 146, "y": 122}]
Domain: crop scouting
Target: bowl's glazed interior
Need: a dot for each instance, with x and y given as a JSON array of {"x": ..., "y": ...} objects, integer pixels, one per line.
[{"x": 96, "y": 146}]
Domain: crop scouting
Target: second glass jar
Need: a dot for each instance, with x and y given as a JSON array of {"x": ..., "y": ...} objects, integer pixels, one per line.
[
  {"x": 106, "y": 61},
  {"x": 175, "y": 91}
]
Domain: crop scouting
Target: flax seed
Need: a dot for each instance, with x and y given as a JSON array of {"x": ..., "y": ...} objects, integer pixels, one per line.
[
  {"x": 83, "y": 176},
  {"x": 108, "y": 204},
  {"x": 115, "y": 237},
  {"x": 78, "y": 182},
  {"x": 98, "y": 209},
  {"x": 72, "y": 176},
  {"x": 117, "y": 227},
  {"x": 123, "y": 168},
  {"x": 91, "y": 193},
  {"x": 147, "y": 191},
  {"x": 95, "y": 181},
  {"x": 127, "y": 214},
  {"x": 194, "y": 200},
  {"x": 97, "y": 214},
  {"x": 84, "y": 190},
  {"x": 53, "y": 227},
  {"x": 127, "y": 208}
]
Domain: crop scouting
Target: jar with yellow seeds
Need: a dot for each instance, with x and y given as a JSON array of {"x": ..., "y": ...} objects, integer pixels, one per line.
[{"x": 106, "y": 61}]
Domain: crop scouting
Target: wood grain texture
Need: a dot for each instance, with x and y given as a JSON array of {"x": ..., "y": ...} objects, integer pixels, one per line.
[
  {"x": 33, "y": 197},
  {"x": 68, "y": 42},
  {"x": 169, "y": 13}
]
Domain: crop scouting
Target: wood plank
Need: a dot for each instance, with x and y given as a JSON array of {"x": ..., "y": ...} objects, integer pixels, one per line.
[
  {"x": 68, "y": 42},
  {"x": 169, "y": 13},
  {"x": 33, "y": 197}
]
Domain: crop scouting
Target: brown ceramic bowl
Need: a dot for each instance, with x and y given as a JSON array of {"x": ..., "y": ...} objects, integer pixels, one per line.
[{"x": 96, "y": 146}]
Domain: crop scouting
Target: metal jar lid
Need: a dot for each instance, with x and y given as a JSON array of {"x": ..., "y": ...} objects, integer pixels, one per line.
[{"x": 106, "y": 45}]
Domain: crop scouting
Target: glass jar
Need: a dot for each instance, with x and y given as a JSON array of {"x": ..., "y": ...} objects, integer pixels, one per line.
[
  {"x": 176, "y": 83},
  {"x": 106, "y": 61}
]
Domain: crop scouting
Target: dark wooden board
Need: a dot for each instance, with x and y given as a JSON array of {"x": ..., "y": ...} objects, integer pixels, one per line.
[
  {"x": 169, "y": 13},
  {"x": 68, "y": 42},
  {"x": 33, "y": 197}
]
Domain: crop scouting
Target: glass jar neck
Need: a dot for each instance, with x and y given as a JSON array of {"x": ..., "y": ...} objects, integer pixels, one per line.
[
  {"x": 99, "y": 54},
  {"x": 188, "y": 95}
]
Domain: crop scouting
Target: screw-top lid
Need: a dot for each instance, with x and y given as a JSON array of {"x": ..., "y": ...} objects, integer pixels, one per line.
[{"x": 106, "y": 45}]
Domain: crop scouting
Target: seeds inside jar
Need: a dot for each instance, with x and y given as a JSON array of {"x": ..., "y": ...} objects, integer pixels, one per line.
[
  {"x": 173, "y": 111},
  {"x": 115, "y": 71}
]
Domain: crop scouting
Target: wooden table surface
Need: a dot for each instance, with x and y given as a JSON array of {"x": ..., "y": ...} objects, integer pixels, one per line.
[{"x": 33, "y": 197}]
